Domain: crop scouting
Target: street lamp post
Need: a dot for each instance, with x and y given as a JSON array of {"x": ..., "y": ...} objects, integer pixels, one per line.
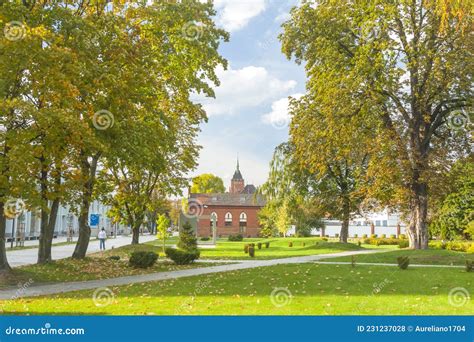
[
  {"x": 214, "y": 229},
  {"x": 13, "y": 232}
]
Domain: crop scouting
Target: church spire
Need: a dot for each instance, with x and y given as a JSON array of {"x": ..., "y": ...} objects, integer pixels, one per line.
[{"x": 237, "y": 174}]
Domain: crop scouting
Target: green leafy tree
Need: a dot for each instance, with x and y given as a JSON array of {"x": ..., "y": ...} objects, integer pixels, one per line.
[
  {"x": 283, "y": 219},
  {"x": 207, "y": 183},
  {"x": 455, "y": 215},
  {"x": 187, "y": 238},
  {"x": 266, "y": 217},
  {"x": 409, "y": 63},
  {"x": 162, "y": 225}
]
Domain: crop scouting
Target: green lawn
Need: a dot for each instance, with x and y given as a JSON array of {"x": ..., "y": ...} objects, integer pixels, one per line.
[
  {"x": 306, "y": 289},
  {"x": 95, "y": 266},
  {"x": 423, "y": 257},
  {"x": 279, "y": 248}
]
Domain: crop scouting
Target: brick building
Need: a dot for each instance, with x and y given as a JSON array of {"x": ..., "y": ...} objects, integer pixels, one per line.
[{"x": 235, "y": 211}]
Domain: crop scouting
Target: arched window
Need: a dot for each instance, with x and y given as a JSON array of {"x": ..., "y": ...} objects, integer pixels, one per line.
[
  {"x": 213, "y": 217},
  {"x": 243, "y": 220},
  {"x": 228, "y": 219}
]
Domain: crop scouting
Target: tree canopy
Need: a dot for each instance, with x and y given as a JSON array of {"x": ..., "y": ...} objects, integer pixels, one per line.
[{"x": 402, "y": 67}]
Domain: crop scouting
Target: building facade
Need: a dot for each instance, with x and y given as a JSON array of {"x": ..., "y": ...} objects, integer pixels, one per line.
[
  {"x": 27, "y": 225},
  {"x": 235, "y": 212}
]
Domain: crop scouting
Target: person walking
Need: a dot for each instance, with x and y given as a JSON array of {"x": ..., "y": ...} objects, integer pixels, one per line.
[{"x": 102, "y": 236}]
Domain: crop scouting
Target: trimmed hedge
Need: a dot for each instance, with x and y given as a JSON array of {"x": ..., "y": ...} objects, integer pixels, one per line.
[
  {"x": 143, "y": 259},
  {"x": 181, "y": 257},
  {"x": 458, "y": 246},
  {"x": 380, "y": 242},
  {"x": 403, "y": 262},
  {"x": 237, "y": 237}
]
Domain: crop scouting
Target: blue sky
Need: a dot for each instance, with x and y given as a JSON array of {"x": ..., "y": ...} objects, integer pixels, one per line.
[{"x": 249, "y": 117}]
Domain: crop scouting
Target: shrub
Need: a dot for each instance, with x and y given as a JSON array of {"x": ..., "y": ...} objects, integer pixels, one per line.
[
  {"x": 187, "y": 240},
  {"x": 469, "y": 266},
  {"x": 393, "y": 236},
  {"x": 380, "y": 242},
  {"x": 259, "y": 245},
  {"x": 364, "y": 236},
  {"x": 359, "y": 243},
  {"x": 383, "y": 236},
  {"x": 246, "y": 248},
  {"x": 267, "y": 244},
  {"x": 336, "y": 235},
  {"x": 290, "y": 244},
  {"x": 355, "y": 236},
  {"x": 373, "y": 236},
  {"x": 142, "y": 259},
  {"x": 237, "y": 237},
  {"x": 252, "y": 251},
  {"x": 436, "y": 244},
  {"x": 114, "y": 257},
  {"x": 458, "y": 246},
  {"x": 403, "y": 262},
  {"x": 403, "y": 244},
  {"x": 471, "y": 248},
  {"x": 182, "y": 257},
  {"x": 402, "y": 236},
  {"x": 205, "y": 238}
]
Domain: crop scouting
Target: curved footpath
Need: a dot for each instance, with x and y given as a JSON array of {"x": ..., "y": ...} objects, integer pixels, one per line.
[{"x": 234, "y": 265}]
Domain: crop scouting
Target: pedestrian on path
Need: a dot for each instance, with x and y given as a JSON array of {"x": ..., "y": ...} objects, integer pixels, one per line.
[{"x": 102, "y": 236}]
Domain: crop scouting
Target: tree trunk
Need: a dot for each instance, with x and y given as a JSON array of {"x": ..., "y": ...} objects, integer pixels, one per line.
[
  {"x": 136, "y": 233},
  {"x": 418, "y": 228},
  {"x": 84, "y": 233},
  {"x": 45, "y": 239},
  {"x": 88, "y": 170},
  {"x": 4, "y": 266},
  {"x": 344, "y": 234},
  {"x": 48, "y": 216}
]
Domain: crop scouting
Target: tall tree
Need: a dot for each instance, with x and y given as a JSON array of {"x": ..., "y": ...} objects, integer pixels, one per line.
[
  {"x": 395, "y": 56},
  {"x": 207, "y": 183}
]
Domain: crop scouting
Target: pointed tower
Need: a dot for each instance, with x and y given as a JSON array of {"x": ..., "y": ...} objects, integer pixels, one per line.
[{"x": 237, "y": 182}]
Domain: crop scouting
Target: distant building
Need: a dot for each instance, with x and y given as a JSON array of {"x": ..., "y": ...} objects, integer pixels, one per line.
[{"x": 236, "y": 211}]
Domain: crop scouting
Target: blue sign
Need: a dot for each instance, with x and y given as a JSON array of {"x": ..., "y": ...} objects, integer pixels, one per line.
[{"x": 94, "y": 220}]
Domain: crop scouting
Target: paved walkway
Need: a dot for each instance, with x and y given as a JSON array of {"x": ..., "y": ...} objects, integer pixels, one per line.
[
  {"x": 92, "y": 284},
  {"x": 385, "y": 264},
  {"x": 29, "y": 256}
]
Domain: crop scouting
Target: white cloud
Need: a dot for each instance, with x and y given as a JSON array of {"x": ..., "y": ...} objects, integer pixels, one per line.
[
  {"x": 244, "y": 88},
  {"x": 279, "y": 116},
  {"x": 218, "y": 156},
  {"x": 233, "y": 15}
]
